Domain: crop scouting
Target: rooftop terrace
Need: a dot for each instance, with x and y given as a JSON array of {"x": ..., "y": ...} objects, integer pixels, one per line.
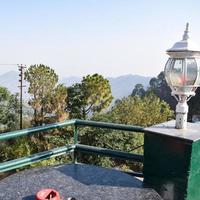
[{"x": 171, "y": 169}]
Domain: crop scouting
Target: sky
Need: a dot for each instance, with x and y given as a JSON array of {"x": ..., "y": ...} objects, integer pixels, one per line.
[{"x": 79, "y": 37}]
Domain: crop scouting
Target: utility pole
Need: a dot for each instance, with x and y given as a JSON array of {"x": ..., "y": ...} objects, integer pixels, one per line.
[{"x": 21, "y": 86}]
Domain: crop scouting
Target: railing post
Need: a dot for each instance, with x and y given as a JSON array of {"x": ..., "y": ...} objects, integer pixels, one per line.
[{"x": 75, "y": 142}]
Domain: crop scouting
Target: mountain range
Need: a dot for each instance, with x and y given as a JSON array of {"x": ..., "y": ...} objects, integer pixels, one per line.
[{"x": 121, "y": 86}]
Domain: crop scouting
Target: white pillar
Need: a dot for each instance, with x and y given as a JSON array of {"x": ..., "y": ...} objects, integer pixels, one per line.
[{"x": 181, "y": 115}]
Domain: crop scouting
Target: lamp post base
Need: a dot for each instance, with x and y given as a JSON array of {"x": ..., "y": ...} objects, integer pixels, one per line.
[{"x": 181, "y": 115}]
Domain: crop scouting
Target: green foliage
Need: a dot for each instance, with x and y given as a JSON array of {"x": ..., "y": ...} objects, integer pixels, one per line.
[
  {"x": 91, "y": 96},
  {"x": 9, "y": 104},
  {"x": 139, "y": 111},
  {"x": 53, "y": 139},
  {"x": 194, "y": 105},
  {"x": 25, "y": 146},
  {"x": 47, "y": 98},
  {"x": 97, "y": 92},
  {"x": 4, "y": 94},
  {"x": 58, "y": 103},
  {"x": 9, "y": 120},
  {"x": 16, "y": 148},
  {"x": 133, "y": 111},
  {"x": 75, "y": 101},
  {"x": 160, "y": 88},
  {"x": 83, "y": 100},
  {"x": 138, "y": 90}
]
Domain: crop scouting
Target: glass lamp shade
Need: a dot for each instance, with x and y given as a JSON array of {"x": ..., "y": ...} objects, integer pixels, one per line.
[{"x": 182, "y": 74}]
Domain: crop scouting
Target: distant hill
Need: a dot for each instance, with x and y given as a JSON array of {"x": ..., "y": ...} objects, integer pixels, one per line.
[
  {"x": 10, "y": 80},
  {"x": 68, "y": 81},
  {"x": 121, "y": 86}
]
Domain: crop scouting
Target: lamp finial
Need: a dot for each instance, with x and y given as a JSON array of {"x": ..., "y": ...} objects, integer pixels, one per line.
[{"x": 185, "y": 35}]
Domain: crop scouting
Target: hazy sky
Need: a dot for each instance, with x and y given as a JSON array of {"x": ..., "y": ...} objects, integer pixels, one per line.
[{"x": 110, "y": 37}]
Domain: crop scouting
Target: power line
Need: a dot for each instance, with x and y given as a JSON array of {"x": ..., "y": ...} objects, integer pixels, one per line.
[{"x": 9, "y": 64}]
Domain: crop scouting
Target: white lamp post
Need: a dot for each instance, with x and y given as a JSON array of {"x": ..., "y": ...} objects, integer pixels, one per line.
[{"x": 182, "y": 73}]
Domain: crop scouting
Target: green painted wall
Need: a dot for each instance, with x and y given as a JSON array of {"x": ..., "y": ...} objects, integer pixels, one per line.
[
  {"x": 167, "y": 165},
  {"x": 193, "y": 189}
]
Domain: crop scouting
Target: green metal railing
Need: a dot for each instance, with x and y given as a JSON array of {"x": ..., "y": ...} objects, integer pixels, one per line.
[{"x": 75, "y": 147}]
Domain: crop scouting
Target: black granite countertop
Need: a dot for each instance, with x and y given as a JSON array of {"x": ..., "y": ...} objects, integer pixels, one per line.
[{"x": 84, "y": 182}]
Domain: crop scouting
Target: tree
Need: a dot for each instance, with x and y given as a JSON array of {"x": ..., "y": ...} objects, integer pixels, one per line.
[
  {"x": 75, "y": 101},
  {"x": 133, "y": 111},
  {"x": 160, "y": 88},
  {"x": 194, "y": 105},
  {"x": 138, "y": 90},
  {"x": 47, "y": 98},
  {"x": 58, "y": 102},
  {"x": 139, "y": 111},
  {"x": 90, "y": 96},
  {"x": 4, "y": 94},
  {"x": 9, "y": 110}
]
